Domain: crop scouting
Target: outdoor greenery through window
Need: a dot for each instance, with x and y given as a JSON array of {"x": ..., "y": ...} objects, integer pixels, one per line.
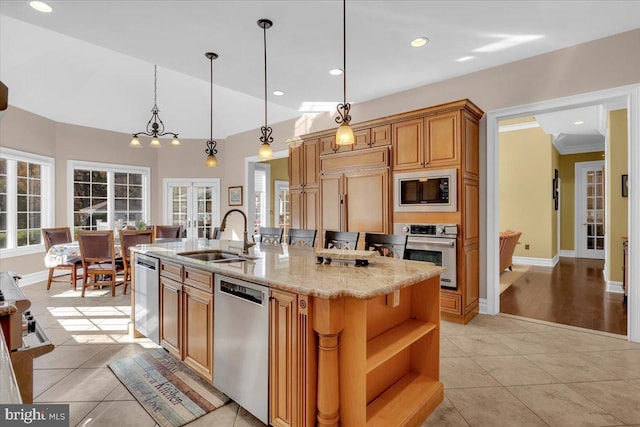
[
  {"x": 107, "y": 197},
  {"x": 24, "y": 205}
]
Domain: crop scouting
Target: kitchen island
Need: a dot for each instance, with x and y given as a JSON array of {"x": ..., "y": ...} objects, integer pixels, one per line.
[{"x": 348, "y": 345}]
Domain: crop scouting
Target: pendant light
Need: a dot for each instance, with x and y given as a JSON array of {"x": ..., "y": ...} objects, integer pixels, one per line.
[
  {"x": 211, "y": 151},
  {"x": 265, "y": 152},
  {"x": 155, "y": 127},
  {"x": 344, "y": 135}
]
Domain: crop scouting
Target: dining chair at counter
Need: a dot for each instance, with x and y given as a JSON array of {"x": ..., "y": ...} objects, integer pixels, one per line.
[
  {"x": 168, "y": 231},
  {"x": 302, "y": 237},
  {"x": 272, "y": 235},
  {"x": 130, "y": 238},
  {"x": 55, "y": 236},
  {"x": 98, "y": 258},
  {"x": 341, "y": 239},
  {"x": 390, "y": 245}
]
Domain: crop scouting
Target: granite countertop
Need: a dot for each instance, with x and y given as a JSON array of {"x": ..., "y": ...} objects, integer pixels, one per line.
[{"x": 294, "y": 269}]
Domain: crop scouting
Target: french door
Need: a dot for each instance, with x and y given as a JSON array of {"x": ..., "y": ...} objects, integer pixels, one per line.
[
  {"x": 194, "y": 204},
  {"x": 590, "y": 208}
]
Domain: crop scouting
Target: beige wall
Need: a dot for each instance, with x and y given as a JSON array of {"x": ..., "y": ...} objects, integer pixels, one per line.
[
  {"x": 568, "y": 195},
  {"x": 561, "y": 73},
  {"x": 526, "y": 172},
  {"x": 619, "y": 206}
]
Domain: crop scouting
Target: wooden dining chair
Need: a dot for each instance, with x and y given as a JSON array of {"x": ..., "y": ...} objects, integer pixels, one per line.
[
  {"x": 168, "y": 231},
  {"x": 56, "y": 236},
  {"x": 301, "y": 237},
  {"x": 98, "y": 259},
  {"x": 271, "y": 235},
  {"x": 390, "y": 245},
  {"x": 341, "y": 239},
  {"x": 130, "y": 238}
]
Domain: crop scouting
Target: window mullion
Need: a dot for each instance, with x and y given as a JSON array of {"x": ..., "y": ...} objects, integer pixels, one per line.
[{"x": 12, "y": 204}]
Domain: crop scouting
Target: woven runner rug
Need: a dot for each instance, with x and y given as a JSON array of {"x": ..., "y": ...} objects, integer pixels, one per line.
[{"x": 166, "y": 389}]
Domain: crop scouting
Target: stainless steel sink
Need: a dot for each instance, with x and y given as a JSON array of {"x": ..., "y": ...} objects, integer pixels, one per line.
[{"x": 214, "y": 255}]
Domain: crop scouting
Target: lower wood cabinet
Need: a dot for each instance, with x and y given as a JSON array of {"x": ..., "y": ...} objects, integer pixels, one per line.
[
  {"x": 292, "y": 364},
  {"x": 186, "y": 323}
]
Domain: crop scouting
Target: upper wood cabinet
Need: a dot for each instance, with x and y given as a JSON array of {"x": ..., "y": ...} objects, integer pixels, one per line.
[
  {"x": 304, "y": 165},
  {"x": 432, "y": 141},
  {"x": 378, "y": 136},
  {"x": 328, "y": 145},
  {"x": 362, "y": 139}
]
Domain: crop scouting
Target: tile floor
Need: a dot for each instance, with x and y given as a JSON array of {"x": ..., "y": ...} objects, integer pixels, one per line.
[{"x": 496, "y": 371}]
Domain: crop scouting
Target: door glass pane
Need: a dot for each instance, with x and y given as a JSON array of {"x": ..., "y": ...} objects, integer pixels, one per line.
[{"x": 204, "y": 211}]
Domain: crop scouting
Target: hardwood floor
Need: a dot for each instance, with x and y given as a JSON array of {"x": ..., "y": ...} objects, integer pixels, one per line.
[{"x": 571, "y": 293}]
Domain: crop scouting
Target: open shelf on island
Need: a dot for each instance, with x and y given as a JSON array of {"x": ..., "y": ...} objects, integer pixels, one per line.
[
  {"x": 411, "y": 398},
  {"x": 388, "y": 344}
]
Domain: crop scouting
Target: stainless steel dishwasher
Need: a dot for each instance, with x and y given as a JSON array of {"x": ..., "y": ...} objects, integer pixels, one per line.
[
  {"x": 241, "y": 343},
  {"x": 147, "y": 296}
]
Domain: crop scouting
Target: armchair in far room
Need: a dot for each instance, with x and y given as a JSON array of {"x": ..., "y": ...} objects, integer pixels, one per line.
[{"x": 508, "y": 241}]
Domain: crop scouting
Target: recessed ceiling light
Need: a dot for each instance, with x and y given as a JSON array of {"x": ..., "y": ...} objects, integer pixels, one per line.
[
  {"x": 579, "y": 122},
  {"x": 40, "y": 6},
  {"x": 419, "y": 42},
  {"x": 278, "y": 92},
  {"x": 465, "y": 58},
  {"x": 335, "y": 71}
]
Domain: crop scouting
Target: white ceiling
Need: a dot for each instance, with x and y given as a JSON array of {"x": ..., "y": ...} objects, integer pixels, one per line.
[{"x": 90, "y": 62}]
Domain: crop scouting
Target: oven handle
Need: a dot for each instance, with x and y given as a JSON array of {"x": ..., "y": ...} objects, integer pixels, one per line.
[{"x": 431, "y": 242}]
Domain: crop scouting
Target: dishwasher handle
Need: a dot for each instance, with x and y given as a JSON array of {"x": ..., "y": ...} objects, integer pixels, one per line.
[
  {"x": 143, "y": 262},
  {"x": 242, "y": 292}
]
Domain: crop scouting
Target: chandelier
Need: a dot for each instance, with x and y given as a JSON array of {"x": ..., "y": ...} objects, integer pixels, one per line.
[
  {"x": 155, "y": 127},
  {"x": 211, "y": 150}
]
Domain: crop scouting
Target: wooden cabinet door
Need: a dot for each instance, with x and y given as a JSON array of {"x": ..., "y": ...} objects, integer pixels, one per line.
[
  {"x": 331, "y": 191},
  {"x": 381, "y": 136},
  {"x": 296, "y": 163},
  {"x": 171, "y": 316},
  {"x": 311, "y": 169},
  {"x": 296, "y": 207},
  {"x": 443, "y": 146},
  {"x": 408, "y": 144},
  {"x": 198, "y": 331},
  {"x": 362, "y": 139},
  {"x": 282, "y": 361},
  {"x": 327, "y": 144},
  {"x": 367, "y": 201},
  {"x": 311, "y": 203}
]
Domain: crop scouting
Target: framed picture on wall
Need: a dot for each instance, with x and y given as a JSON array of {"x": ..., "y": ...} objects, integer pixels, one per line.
[
  {"x": 235, "y": 196},
  {"x": 625, "y": 186}
]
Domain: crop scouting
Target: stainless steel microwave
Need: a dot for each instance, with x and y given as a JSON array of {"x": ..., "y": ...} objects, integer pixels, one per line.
[{"x": 426, "y": 191}]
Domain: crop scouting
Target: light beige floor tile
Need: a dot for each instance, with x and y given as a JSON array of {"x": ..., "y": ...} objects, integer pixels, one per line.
[
  {"x": 492, "y": 407},
  {"x": 452, "y": 328},
  {"x": 245, "y": 419},
  {"x": 45, "y": 378},
  {"x": 78, "y": 410},
  {"x": 459, "y": 372},
  {"x": 568, "y": 367},
  {"x": 485, "y": 324},
  {"x": 449, "y": 349},
  {"x": 535, "y": 343},
  {"x": 58, "y": 335},
  {"x": 481, "y": 345},
  {"x": 558, "y": 405},
  {"x": 119, "y": 393},
  {"x": 621, "y": 398},
  {"x": 221, "y": 417},
  {"x": 445, "y": 415},
  {"x": 514, "y": 370},
  {"x": 121, "y": 414},
  {"x": 92, "y": 337},
  {"x": 67, "y": 356},
  {"x": 619, "y": 363},
  {"x": 82, "y": 385},
  {"x": 111, "y": 353}
]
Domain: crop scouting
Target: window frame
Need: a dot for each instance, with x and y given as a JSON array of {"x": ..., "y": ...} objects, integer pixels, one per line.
[
  {"x": 111, "y": 169},
  {"x": 47, "y": 199}
]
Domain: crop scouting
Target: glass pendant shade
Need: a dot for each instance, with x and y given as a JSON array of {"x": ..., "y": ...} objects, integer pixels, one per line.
[
  {"x": 135, "y": 142},
  {"x": 344, "y": 135},
  {"x": 175, "y": 141},
  {"x": 212, "y": 161},
  {"x": 265, "y": 152},
  {"x": 155, "y": 142}
]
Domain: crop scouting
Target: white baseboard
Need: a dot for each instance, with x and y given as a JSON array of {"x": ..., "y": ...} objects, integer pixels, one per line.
[
  {"x": 483, "y": 306},
  {"x": 567, "y": 253},
  {"x": 614, "y": 287},
  {"x": 540, "y": 262},
  {"x": 37, "y": 277}
]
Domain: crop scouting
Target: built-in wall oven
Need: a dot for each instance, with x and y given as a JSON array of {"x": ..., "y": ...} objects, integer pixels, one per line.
[{"x": 434, "y": 243}]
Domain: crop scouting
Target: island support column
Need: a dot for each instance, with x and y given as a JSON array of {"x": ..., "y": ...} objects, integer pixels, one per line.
[{"x": 328, "y": 322}]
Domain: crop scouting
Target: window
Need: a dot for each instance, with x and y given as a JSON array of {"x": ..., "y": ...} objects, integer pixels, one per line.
[
  {"x": 261, "y": 188},
  {"x": 26, "y": 204},
  {"x": 103, "y": 194}
]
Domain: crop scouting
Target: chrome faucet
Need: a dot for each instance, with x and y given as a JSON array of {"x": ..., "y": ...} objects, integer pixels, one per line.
[{"x": 246, "y": 244}]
